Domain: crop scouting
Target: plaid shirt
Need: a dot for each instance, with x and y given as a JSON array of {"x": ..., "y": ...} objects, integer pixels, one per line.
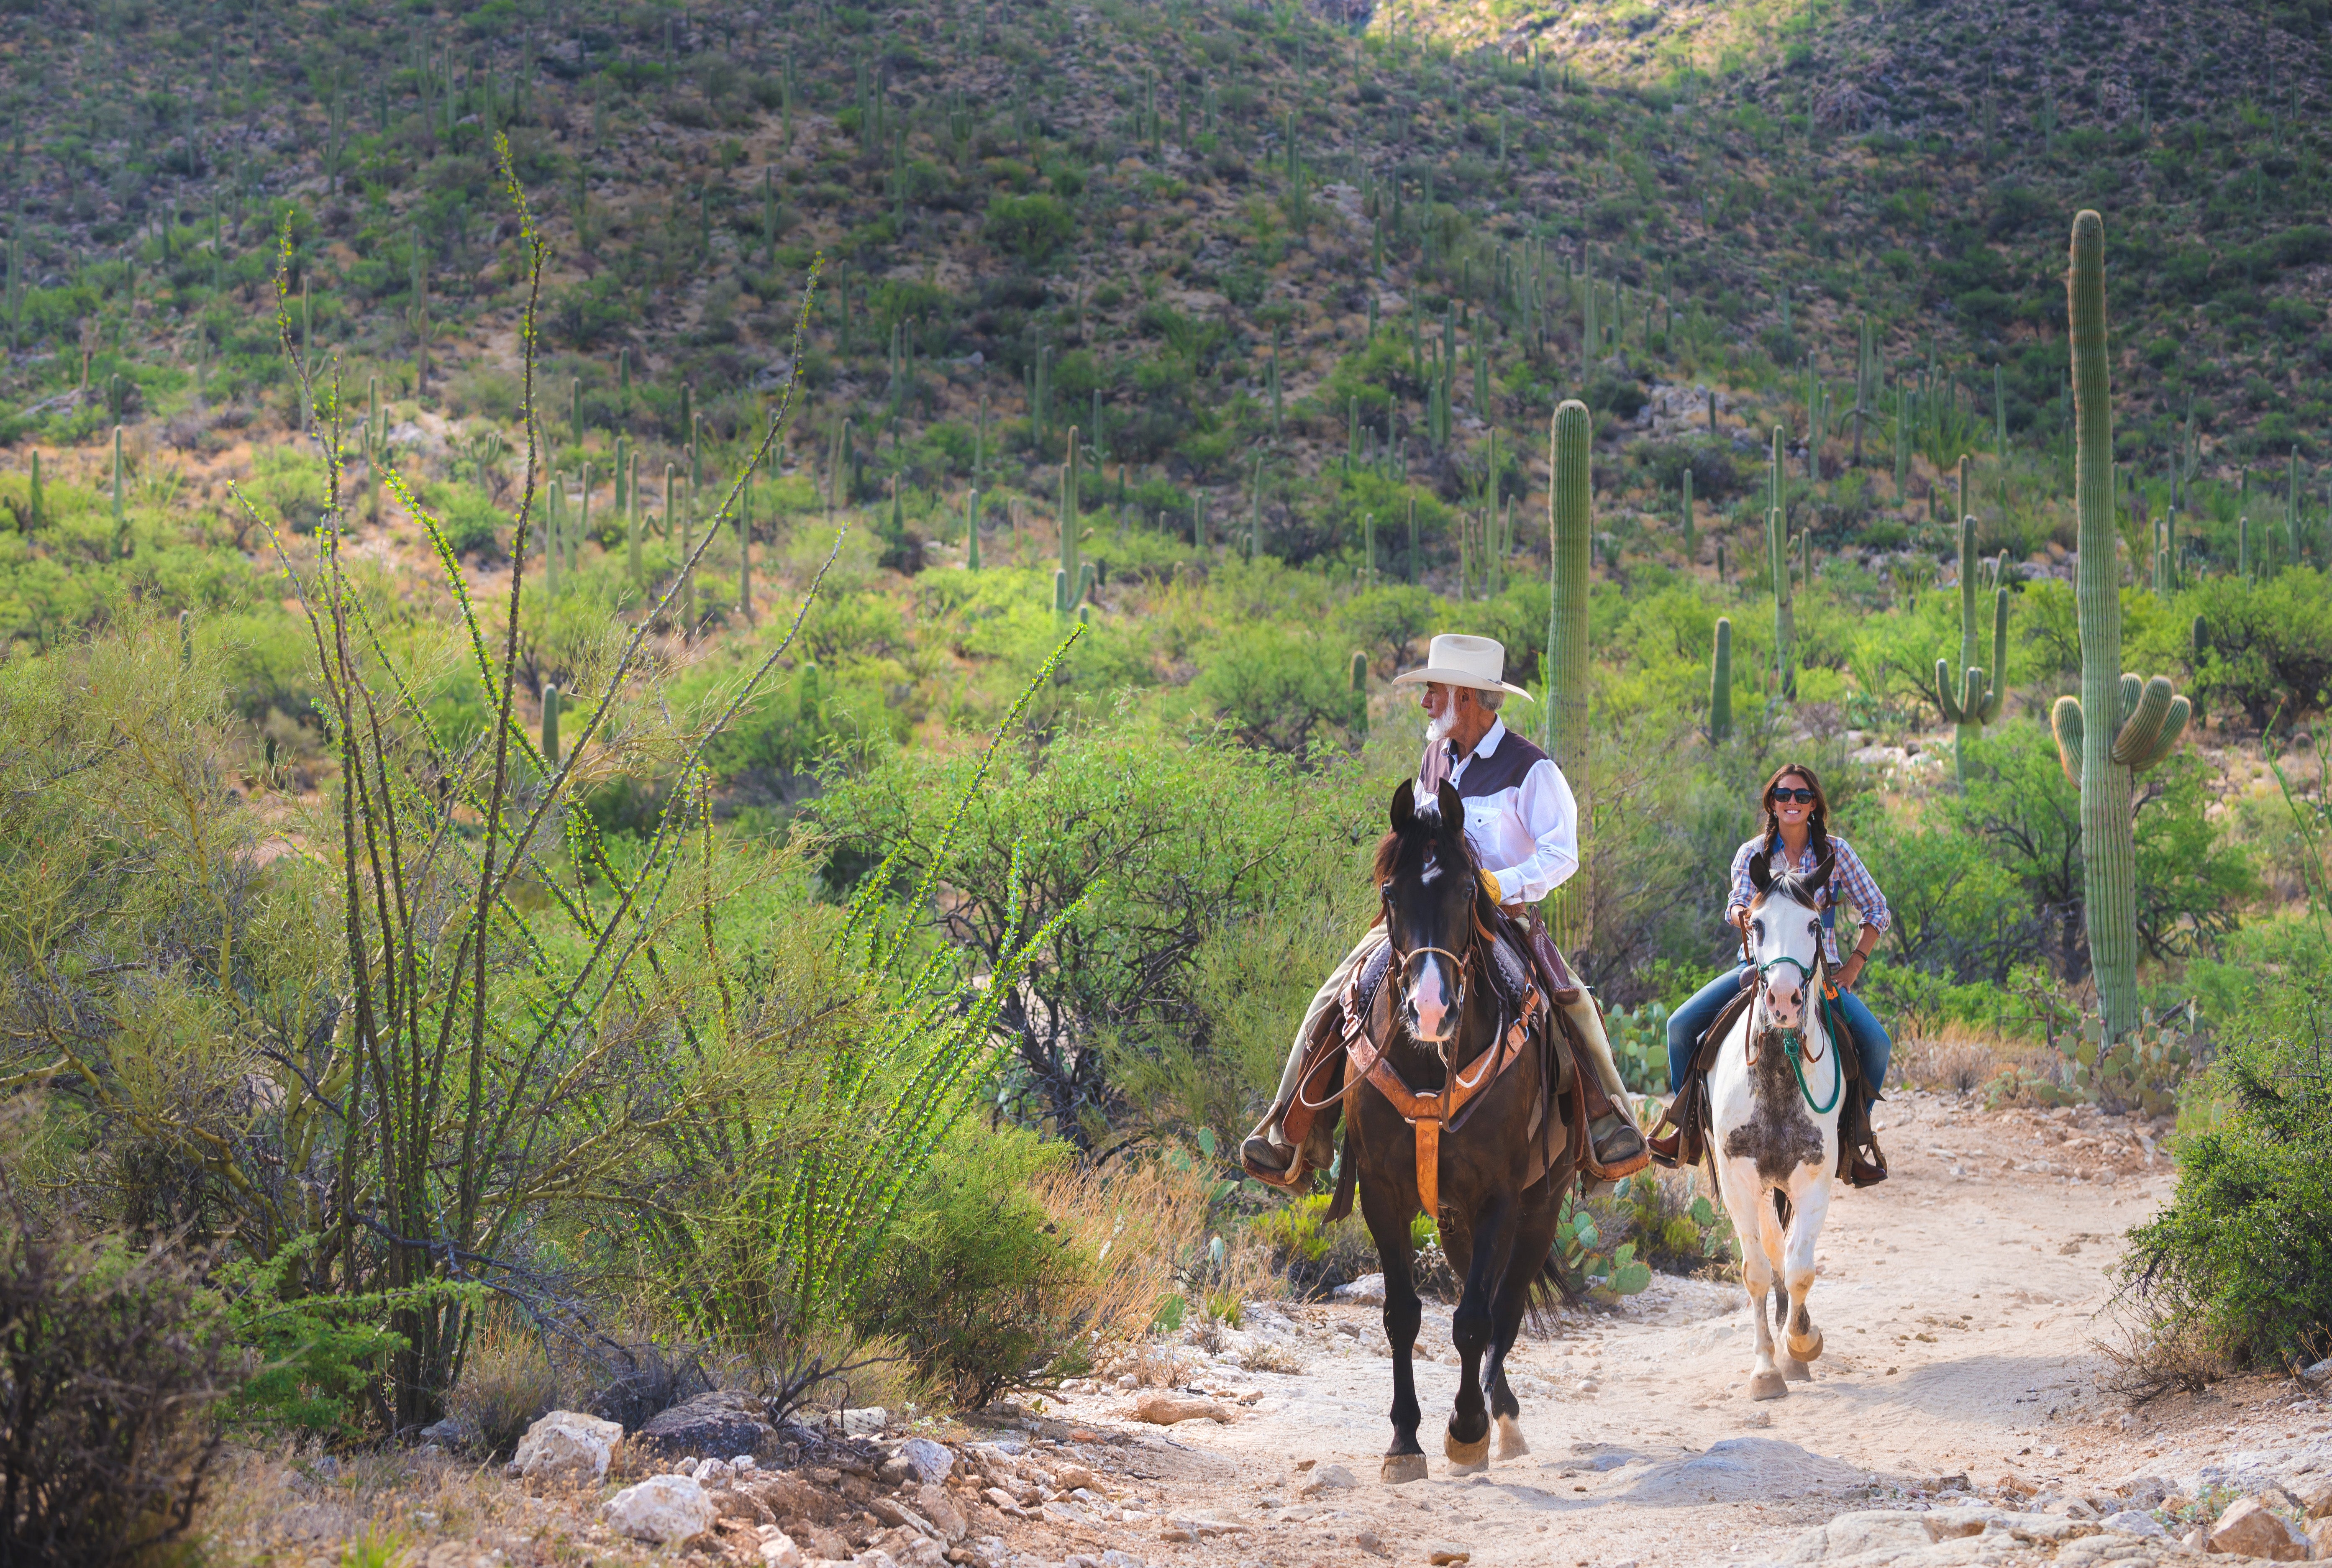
[{"x": 1850, "y": 882}]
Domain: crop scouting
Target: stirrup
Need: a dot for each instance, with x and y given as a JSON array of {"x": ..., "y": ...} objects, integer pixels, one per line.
[{"x": 1255, "y": 1156}]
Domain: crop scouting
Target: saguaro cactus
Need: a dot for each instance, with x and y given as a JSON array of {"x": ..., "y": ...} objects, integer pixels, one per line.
[
  {"x": 1720, "y": 684},
  {"x": 550, "y": 725},
  {"x": 2119, "y": 725},
  {"x": 1067, "y": 572},
  {"x": 1777, "y": 559},
  {"x": 1571, "y": 525},
  {"x": 1973, "y": 698},
  {"x": 1360, "y": 679}
]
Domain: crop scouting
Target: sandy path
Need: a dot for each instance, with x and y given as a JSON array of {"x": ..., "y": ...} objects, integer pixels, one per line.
[{"x": 1957, "y": 1309}]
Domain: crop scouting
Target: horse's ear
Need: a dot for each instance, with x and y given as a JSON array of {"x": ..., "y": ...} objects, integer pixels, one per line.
[
  {"x": 1761, "y": 873},
  {"x": 1404, "y": 804},
  {"x": 1453, "y": 810},
  {"x": 1821, "y": 877}
]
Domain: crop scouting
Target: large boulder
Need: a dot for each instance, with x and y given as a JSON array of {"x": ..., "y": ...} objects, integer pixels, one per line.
[
  {"x": 721, "y": 1424},
  {"x": 666, "y": 1510},
  {"x": 566, "y": 1443},
  {"x": 2249, "y": 1528}
]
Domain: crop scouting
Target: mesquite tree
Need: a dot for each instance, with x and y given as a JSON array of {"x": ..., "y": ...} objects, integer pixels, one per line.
[{"x": 2119, "y": 725}]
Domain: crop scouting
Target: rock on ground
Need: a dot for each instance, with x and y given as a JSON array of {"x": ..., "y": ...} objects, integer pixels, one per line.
[
  {"x": 931, "y": 1461},
  {"x": 566, "y": 1443},
  {"x": 1742, "y": 1470},
  {"x": 2248, "y": 1529},
  {"x": 664, "y": 1509},
  {"x": 1163, "y": 1410},
  {"x": 721, "y": 1424}
]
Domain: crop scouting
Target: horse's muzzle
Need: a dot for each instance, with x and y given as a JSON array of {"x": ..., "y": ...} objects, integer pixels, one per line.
[{"x": 1784, "y": 1001}]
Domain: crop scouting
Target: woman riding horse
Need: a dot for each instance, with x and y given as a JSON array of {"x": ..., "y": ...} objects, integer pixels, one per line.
[
  {"x": 1796, "y": 838},
  {"x": 1521, "y": 825}
]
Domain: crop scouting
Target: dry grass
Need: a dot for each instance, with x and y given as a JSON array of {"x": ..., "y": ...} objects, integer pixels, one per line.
[
  {"x": 2148, "y": 1356},
  {"x": 1953, "y": 1061},
  {"x": 1136, "y": 1224},
  {"x": 299, "y": 1506},
  {"x": 508, "y": 1382}
]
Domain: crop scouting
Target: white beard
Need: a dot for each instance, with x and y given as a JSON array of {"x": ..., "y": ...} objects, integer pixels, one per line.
[{"x": 1437, "y": 730}]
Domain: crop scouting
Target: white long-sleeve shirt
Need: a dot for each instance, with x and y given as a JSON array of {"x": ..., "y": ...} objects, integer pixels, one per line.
[{"x": 1522, "y": 821}]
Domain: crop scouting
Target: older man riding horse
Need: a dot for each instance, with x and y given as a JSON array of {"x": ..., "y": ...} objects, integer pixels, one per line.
[{"x": 1521, "y": 829}]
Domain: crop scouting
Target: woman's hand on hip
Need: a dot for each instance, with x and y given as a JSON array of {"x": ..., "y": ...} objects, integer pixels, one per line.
[{"x": 1850, "y": 973}]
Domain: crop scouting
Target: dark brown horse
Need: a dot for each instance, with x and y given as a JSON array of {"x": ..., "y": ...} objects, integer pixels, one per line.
[{"x": 1498, "y": 1210}]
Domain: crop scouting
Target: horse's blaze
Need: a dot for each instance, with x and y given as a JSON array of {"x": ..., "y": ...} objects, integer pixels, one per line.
[{"x": 1429, "y": 1002}]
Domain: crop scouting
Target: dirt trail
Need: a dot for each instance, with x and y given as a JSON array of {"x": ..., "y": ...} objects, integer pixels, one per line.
[{"x": 1956, "y": 1299}]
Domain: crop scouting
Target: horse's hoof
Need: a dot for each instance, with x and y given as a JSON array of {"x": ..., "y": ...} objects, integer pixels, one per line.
[
  {"x": 1796, "y": 1370},
  {"x": 1402, "y": 1468},
  {"x": 1511, "y": 1444},
  {"x": 1807, "y": 1349},
  {"x": 1767, "y": 1385},
  {"x": 1466, "y": 1457}
]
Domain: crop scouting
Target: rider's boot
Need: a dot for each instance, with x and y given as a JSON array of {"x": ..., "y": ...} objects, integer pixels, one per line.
[
  {"x": 1269, "y": 1158},
  {"x": 1612, "y": 1133}
]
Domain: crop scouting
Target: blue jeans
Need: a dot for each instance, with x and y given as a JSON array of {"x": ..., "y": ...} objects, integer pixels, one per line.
[{"x": 1690, "y": 1021}]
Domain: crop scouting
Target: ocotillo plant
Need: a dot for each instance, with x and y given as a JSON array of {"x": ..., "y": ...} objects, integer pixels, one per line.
[
  {"x": 1720, "y": 685},
  {"x": 1570, "y": 525},
  {"x": 1971, "y": 700},
  {"x": 2119, "y": 725}
]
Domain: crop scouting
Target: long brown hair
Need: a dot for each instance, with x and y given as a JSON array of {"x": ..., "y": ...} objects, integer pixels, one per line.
[{"x": 1817, "y": 820}]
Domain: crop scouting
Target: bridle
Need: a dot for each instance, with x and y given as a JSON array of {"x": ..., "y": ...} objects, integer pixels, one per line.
[
  {"x": 1795, "y": 1044},
  {"x": 1462, "y": 964}
]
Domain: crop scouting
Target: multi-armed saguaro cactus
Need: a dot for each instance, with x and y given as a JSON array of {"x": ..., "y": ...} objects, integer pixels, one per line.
[
  {"x": 2119, "y": 725},
  {"x": 1720, "y": 684},
  {"x": 1571, "y": 524},
  {"x": 1973, "y": 699}
]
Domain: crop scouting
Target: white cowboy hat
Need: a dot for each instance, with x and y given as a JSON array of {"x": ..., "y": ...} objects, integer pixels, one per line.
[{"x": 1458, "y": 660}]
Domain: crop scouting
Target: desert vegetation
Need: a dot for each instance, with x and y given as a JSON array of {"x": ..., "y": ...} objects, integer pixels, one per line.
[{"x": 691, "y": 694}]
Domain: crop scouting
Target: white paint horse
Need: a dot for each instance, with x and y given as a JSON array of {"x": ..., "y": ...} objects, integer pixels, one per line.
[{"x": 1775, "y": 1094}]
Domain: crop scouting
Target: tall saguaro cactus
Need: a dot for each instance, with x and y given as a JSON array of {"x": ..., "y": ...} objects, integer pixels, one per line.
[
  {"x": 2119, "y": 725},
  {"x": 1720, "y": 684},
  {"x": 1971, "y": 699},
  {"x": 1570, "y": 524},
  {"x": 1777, "y": 558}
]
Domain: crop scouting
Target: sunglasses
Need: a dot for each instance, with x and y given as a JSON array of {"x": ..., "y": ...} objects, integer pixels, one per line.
[{"x": 1803, "y": 797}]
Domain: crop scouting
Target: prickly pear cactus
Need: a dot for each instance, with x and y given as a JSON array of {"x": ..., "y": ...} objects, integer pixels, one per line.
[{"x": 2140, "y": 1069}]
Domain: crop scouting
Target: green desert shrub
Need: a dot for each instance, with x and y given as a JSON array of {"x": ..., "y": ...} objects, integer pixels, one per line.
[
  {"x": 1031, "y": 227},
  {"x": 2265, "y": 645},
  {"x": 2237, "y": 1270},
  {"x": 109, "y": 1360}
]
